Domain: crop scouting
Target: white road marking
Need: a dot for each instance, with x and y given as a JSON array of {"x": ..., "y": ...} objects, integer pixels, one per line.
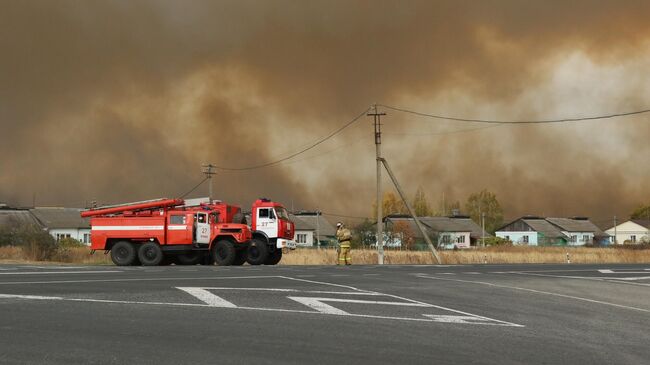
[
  {"x": 52, "y": 267},
  {"x": 134, "y": 279},
  {"x": 607, "y": 271},
  {"x": 540, "y": 292},
  {"x": 57, "y": 272},
  {"x": 318, "y": 305},
  {"x": 207, "y": 297},
  {"x": 455, "y": 319},
  {"x": 35, "y": 297},
  {"x": 609, "y": 279}
]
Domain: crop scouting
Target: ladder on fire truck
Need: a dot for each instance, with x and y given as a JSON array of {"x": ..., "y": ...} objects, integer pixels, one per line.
[{"x": 133, "y": 207}]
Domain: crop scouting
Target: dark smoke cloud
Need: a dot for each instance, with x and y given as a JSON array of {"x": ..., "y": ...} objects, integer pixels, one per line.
[{"x": 122, "y": 100}]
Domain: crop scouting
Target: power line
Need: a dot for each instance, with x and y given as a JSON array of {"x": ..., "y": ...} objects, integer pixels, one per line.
[
  {"x": 194, "y": 188},
  {"x": 458, "y": 131},
  {"x": 343, "y": 216},
  {"x": 496, "y": 121},
  {"x": 337, "y": 149},
  {"x": 337, "y": 131}
]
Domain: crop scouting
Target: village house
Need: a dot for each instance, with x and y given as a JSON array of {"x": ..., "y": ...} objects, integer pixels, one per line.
[
  {"x": 630, "y": 232},
  {"x": 313, "y": 229},
  {"x": 456, "y": 231},
  {"x": 58, "y": 222},
  {"x": 540, "y": 231}
]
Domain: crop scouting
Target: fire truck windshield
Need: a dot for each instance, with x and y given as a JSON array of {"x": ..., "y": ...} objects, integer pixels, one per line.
[{"x": 281, "y": 213}]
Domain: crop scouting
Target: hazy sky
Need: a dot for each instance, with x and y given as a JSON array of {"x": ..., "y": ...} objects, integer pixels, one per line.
[{"x": 123, "y": 100}]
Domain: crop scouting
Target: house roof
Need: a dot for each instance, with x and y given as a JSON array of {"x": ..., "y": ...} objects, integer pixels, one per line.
[
  {"x": 553, "y": 227},
  {"x": 642, "y": 222},
  {"x": 309, "y": 222},
  {"x": 541, "y": 225},
  {"x": 577, "y": 225},
  {"x": 441, "y": 224},
  {"x": 14, "y": 217},
  {"x": 53, "y": 218}
]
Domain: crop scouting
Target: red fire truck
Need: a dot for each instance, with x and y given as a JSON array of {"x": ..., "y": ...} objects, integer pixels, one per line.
[{"x": 163, "y": 231}]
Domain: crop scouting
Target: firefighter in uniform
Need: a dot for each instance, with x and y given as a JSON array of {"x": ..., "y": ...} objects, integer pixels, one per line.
[{"x": 344, "y": 236}]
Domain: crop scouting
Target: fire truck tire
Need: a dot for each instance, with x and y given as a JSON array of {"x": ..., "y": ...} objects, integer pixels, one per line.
[
  {"x": 207, "y": 259},
  {"x": 240, "y": 259},
  {"x": 257, "y": 252},
  {"x": 123, "y": 253},
  {"x": 150, "y": 254},
  {"x": 224, "y": 253},
  {"x": 191, "y": 258},
  {"x": 166, "y": 261},
  {"x": 274, "y": 257}
]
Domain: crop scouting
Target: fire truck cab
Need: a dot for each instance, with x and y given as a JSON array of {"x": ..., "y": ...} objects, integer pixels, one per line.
[{"x": 272, "y": 231}]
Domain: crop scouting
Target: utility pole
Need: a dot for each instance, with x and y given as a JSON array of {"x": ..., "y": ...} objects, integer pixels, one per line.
[
  {"x": 380, "y": 236},
  {"x": 615, "y": 231},
  {"x": 317, "y": 228},
  {"x": 209, "y": 170},
  {"x": 483, "y": 228},
  {"x": 425, "y": 235}
]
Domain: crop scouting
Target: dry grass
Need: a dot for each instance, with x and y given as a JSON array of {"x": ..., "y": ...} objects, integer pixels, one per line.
[
  {"x": 76, "y": 255},
  {"x": 490, "y": 255}
]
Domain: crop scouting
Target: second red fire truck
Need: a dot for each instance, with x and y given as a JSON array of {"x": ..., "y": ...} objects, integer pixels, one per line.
[{"x": 163, "y": 231}]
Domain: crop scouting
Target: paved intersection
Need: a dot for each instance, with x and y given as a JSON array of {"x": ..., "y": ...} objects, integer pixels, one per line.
[{"x": 501, "y": 314}]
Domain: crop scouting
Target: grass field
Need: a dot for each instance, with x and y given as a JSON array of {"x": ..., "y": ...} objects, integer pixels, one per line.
[{"x": 489, "y": 255}]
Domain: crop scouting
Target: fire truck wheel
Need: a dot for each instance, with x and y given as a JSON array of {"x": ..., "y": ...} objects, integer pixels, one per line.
[
  {"x": 224, "y": 253},
  {"x": 191, "y": 258},
  {"x": 123, "y": 253},
  {"x": 274, "y": 257},
  {"x": 150, "y": 254},
  {"x": 240, "y": 259},
  {"x": 257, "y": 252}
]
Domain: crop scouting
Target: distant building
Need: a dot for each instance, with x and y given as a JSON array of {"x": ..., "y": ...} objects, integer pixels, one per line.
[
  {"x": 313, "y": 229},
  {"x": 14, "y": 217},
  {"x": 631, "y": 232},
  {"x": 63, "y": 223},
  {"x": 540, "y": 231},
  {"x": 456, "y": 231}
]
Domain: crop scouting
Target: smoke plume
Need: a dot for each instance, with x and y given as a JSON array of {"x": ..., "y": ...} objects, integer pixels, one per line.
[{"x": 123, "y": 100}]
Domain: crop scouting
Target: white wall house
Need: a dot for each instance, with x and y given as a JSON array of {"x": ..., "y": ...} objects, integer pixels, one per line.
[
  {"x": 304, "y": 237},
  {"x": 80, "y": 234},
  {"x": 309, "y": 225},
  {"x": 630, "y": 232},
  {"x": 450, "y": 240},
  {"x": 63, "y": 223},
  {"x": 519, "y": 237},
  {"x": 446, "y": 232},
  {"x": 579, "y": 238}
]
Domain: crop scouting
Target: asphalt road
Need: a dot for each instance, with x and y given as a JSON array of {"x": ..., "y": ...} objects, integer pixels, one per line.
[{"x": 463, "y": 314}]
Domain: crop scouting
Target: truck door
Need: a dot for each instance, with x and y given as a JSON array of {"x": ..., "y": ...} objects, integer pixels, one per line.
[
  {"x": 267, "y": 222},
  {"x": 202, "y": 233}
]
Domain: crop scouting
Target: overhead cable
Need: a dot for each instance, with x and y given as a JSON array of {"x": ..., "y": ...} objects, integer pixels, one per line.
[
  {"x": 270, "y": 163},
  {"x": 194, "y": 188},
  {"x": 497, "y": 121}
]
